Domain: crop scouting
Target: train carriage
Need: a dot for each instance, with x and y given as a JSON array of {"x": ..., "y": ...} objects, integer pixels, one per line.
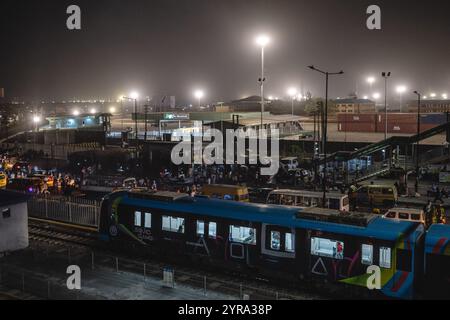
[
  {"x": 319, "y": 245},
  {"x": 437, "y": 262}
]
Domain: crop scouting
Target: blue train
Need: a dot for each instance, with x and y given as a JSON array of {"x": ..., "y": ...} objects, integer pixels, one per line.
[{"x": 320, "y": 246}]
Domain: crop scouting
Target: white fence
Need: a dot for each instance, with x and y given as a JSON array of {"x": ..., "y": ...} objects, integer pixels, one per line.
[{"x": 71, "y": 210}]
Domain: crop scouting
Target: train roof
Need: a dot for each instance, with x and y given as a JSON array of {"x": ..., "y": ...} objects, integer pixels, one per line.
[
  {"x": 287, "y": 216},
  {"x": 307, "y": 193}
]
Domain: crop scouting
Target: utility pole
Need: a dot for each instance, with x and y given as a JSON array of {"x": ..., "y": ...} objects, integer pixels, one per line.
[
  {"x": 145, "y": 119},
  {"x": 418, "y": 141},
  {"x": 324, "y": 133}
]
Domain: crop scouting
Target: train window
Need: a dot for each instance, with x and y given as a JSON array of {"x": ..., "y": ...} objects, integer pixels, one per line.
[
  {"x": 367, "y": 254},
  {"x": 148, "y": 220},
  {"x": 327, "y": 248},
  {"x": 242, "y": 234},
  {"x": 415, "y": 216},
  {"x": 212, "y": 230},
  {"x": 275, "y": 240},
  {"x": 173, "y": 224},
  {"x": 403, "y": 216},
  {"x": 289, "y": 242},
  {"x": 137, "y": 218},
  {"x": 391, "y": 215},
  {"x": 385, "y": 257},
  {"x": 200, "y": 228},
  {"x": 404, "y": 260}
]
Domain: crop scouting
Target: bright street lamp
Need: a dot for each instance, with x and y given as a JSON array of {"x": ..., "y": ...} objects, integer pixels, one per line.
[
  {"x": 76, "y": 113},
  {"x": 93, "y": 111},
  {"x": 376, "y": 96},
  {"x": 292, "y": 92},
  {"x": 36, "y": 119},
  {"x": 112, "y": 109},
  {"x": 262, "y": 40},
  {"x": 433, "y": 95},
  {"x": 370, "y": 81},
  {"x": 134, "y": 95},
  {"x": 400, "y": 90},
  {"x": 199, "y": 94},
  {"x": 444, "y": 96}
]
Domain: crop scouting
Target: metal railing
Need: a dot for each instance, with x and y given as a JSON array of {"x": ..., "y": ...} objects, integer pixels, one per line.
[{"x": 65, "y": 209}]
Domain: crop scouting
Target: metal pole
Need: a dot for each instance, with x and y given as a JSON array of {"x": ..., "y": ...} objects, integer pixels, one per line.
[
  {"x": 385, "y": 108},
  {"x": 92, "y": 261},
  {"x": 204, "y": 285},
  {"x": 325, "y": 116},
  {"x": 418, "y": 141},
  {"x": 292, "y": 106},
  {"x": 262, "y": 85},
  {"x": 117, "y": 265},
  {"x": 135, "y": 120},
  {"x": 121, "y": 114}
]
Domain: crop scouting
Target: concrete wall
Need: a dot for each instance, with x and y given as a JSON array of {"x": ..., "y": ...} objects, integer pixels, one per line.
[{"x": 14, "y": 230}]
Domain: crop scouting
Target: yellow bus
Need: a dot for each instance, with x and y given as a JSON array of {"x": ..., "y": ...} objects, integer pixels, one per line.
[
  {"x": 226, "y": 192},
  {"x": 375, "y": 194}
]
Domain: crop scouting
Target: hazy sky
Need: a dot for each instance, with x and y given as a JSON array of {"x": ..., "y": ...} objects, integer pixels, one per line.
[{"x": 171, "y": 47}]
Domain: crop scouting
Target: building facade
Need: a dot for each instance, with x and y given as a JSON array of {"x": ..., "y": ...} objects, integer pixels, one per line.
[{"x": 355, "y": 106}]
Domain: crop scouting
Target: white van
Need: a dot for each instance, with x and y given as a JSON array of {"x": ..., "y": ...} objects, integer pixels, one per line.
[{"x": 406, "y": 214}]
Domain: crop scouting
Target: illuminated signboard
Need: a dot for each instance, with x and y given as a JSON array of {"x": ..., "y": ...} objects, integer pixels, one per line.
[{"x": 176, "y": 116}]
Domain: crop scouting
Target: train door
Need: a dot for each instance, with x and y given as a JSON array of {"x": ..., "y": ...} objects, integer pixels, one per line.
[
  {"x": 242, "y": 244},
  {"x": 278, "y": 247}
]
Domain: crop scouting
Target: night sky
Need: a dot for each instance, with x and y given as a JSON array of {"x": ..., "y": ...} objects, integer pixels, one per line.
[{"x": 171, "y": 47}]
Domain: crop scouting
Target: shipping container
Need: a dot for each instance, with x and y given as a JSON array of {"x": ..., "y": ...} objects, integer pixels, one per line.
[
  {"x": 356, "y": 127},
  {"x": 433, "y": 118}
]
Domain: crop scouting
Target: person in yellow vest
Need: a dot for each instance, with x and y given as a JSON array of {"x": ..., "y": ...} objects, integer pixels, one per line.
[
  {"x": 441, "y": 213},
  {"x": 435, "y": 216}
]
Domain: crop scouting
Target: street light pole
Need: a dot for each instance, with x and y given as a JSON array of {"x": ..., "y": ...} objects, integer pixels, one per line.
[
  {"x": 262, "y": 41},
  {"x": 324, "y": 133},
  {"x": 418, "y": 142},
  {"x": 385, "y": 75},
  {"x": 262, "y": 85}
]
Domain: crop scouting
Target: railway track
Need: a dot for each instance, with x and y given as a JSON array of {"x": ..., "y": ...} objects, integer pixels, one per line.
[{"x": 230, "y": 283}]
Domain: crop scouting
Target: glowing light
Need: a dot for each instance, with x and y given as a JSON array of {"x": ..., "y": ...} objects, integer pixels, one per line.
[
  {"x": 400, "y": 89},
  {"x": 365, "y": 97},
  {"x": 76, "y": 113},
  {"x": 134, "y": 95},
  {"x": 292, "y": 92},
  {"x": 376, "y": 96},
  {"x": 93, "y": 111},
  {"x": 199, "y": 94},
  {"x": 262, "y": 40},
  {"x": 112, "y": 109},
  {"x": 36, "y": 119},
  {"x": 370, "y": 80}
]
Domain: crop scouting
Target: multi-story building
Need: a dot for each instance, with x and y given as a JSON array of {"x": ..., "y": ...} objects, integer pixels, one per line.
[
  {"x": 355, "y": 105},
  {"x": 430, "y": 106}
]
